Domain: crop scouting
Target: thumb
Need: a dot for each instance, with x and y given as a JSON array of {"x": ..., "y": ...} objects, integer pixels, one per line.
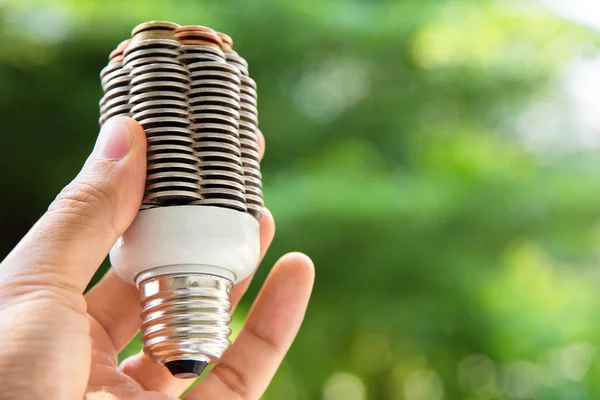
[{"x": 66, "y": 246}]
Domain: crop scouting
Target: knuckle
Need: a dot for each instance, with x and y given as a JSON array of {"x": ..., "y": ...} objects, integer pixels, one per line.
[
  {"x": 67, "y": 299},
  {"x": 80, "y": 196},
  {"x": 79, "y": 204},
  {"x": 265, "y": 342},
  {"x": 232, "y": 379},
  {"x": 45, "y": 292}
]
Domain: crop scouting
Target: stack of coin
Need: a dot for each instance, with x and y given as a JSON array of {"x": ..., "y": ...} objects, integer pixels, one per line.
[
  {"x": 214, "y": 101},
  {"x": 192, "y": 95},
  {"x": 248, "y": 128},
  {"x": 115, "y": 83},
  {"x": 159, "y": 86}
]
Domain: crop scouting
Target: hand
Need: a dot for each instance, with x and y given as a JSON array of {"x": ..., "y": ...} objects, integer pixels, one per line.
[{"x": 58, "y": 343}]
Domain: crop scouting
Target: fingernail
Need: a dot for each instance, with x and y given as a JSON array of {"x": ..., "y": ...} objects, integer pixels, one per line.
[{"x": 114, "y": 140}]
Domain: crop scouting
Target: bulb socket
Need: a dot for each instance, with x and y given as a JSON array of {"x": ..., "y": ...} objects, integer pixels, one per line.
[{"x": 185, "y": 320}]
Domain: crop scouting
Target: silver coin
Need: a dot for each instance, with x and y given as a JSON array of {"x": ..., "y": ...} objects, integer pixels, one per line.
[
  {"x": 251, "y": 135},
  {"x": 114, "y": 102},
  {"x": 154, "y": 148},
  {"x": 254, "y": 191},
  {"x": 249, "y": 162},
  {"x": 160, "y": 76},
  {"x": 158, "y": 104},
  {"x": 171, "y": 157},
  {"x": 168, "y": 196},
  {"x": 168, "y": 131},
  {"x": 139, "y": 57},
  {"x": 158, "y": 66},
  {"x": 250, "y": 153},
  {"x": 248, "y": 126},
  {"x": 172, "y": 166},
  {"x": 212, "y": 65},
  {"x": 110, "y": 68},
  {"x": 218, "y": 118},
  {"x": 170, "y": 139},
  {"x": 119, "y": 73},
  {"x": 213, "y": 108},
  {"x": 155, "y": 43},
  {"x": 199, "y": 99},
  {"x": 248, "y": 135},
  {"x": 254, "y": 199},
  {"x": 120, "y": 110},
  {"x": 208, "y": 74},
  {"x": 203, "y": 146},
  {"x": 160, "y": 112},
  {"x": 249, "y": 91},
  {"x": 249, "y": 108},
  {"x": 136, "y": 62},
  {"x": 172, "y": 185},
  {"x": 156, "y": 86},
  {"x": 246, "y": 116},
  {"x": 223, "y": 174},
  {"x": 216, "y": 137},
  {"x": 222, "y": 193},
  {"x": 235, "y": 57},
  {"x": 164, "y": 122},
  {"x": 246, "y": 98},
  {"x": 116, "y": 92},
  {"x": 214, "y": 128},
  {"x": 191, "y": 49},
  {"x": 256, "y": 211},
  {"x": 218, "y": 156},
  {"x": 158, "y": 96},
  {"x": 252, "y": 181},
  {"x": 220, "y": 165},
  {"x": 120, "y": 81},
  {"x": 213, "y": 92},
  {"x": 243, "y": 70},
  {"x": 247, "y": 81},
  {"x": 173, "y": 176},
  {"x": 222, "y": 183},
  {"x": 226, "y": 203},
  {"x": 208, "y": 84},
  {"x": 252, "y": 172},
  {"x": 250, "y": 144}
]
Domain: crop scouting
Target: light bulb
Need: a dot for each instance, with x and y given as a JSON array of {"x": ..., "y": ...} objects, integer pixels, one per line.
[{"x": 197, "y": 232}]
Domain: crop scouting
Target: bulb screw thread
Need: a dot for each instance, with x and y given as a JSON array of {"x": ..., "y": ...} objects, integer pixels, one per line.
[{"x": 185, "y": 321}]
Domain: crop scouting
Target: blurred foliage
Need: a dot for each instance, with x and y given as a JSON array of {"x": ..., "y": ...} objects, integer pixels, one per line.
[{"x": 453, "y": 261}]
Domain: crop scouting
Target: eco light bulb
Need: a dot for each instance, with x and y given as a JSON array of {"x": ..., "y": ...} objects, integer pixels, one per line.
[{"x": 197, "y": 232}]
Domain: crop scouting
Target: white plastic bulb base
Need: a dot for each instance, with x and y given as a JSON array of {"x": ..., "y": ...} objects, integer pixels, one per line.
[{"x": 185, "y": 260}]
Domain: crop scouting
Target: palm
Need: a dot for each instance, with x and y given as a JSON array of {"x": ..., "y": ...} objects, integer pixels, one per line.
[
  {"x": 269, "y": 331},
  {"x": 105, "y": 374}
]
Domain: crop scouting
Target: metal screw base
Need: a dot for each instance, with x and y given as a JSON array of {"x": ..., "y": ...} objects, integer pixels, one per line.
[{"x": 185, "y": 321}]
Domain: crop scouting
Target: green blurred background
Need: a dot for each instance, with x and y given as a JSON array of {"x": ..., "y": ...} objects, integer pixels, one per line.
[{"x": 439, "y": 160}]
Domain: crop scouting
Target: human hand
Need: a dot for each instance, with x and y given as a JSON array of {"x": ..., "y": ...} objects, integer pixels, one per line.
[{"x": 58, "y": 343}]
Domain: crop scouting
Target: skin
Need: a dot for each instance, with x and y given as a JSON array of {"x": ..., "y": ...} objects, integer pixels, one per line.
[{"x": 59, "y": 343}]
